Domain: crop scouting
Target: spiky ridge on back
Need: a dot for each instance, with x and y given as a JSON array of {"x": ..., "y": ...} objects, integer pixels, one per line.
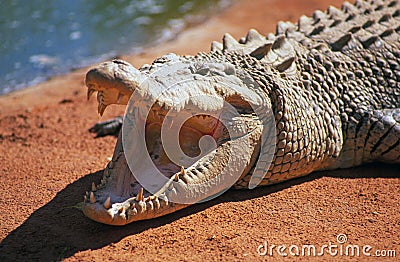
[{"x": 364, "y": 25}]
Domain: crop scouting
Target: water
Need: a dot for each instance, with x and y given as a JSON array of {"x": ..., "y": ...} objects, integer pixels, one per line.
[{"x": 41, "y": 38}]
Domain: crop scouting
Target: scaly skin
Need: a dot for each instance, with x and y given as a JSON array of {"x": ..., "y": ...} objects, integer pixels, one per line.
[{"x": 332, "y": 82}]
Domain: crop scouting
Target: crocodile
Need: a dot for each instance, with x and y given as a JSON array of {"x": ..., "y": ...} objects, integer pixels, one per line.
[{"x": 319, "y": 94}]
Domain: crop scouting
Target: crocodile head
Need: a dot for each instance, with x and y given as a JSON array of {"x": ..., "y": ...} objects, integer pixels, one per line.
[{"x": 191, "y": 130}]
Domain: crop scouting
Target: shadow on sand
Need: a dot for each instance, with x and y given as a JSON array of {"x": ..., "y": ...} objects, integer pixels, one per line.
[{"x": 57, "y": 230}]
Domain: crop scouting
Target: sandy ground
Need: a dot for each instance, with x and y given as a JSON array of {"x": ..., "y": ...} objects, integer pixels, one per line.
[{"x": 48, "y": 160}]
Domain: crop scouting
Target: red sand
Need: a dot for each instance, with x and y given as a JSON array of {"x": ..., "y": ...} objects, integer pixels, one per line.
[{"x": 48, "y": 160}]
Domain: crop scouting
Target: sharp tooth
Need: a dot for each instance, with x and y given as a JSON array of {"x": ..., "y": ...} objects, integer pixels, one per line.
[
  {"x": 141, "y": 206},
  {"x": 120, "y": 96},
  {"x": 133, "y": 211},
  {"x": 93, "y": 186},
  {"x": 150, "y": 204},
  {"x": 176, "y": 177},
  {"x": 100, "y": 99},
  {"x": 183, "y": 171},
  {"x": 92, "y": 198},
  {"x": 140, "y": 197},
  {"x": 90, "y": 92},
  {"x": 84, "y": 199},
  {"x": 157, "y": 203},
  {"x": 101, "y": 108},
  {"x": 107, "y": 204},
  {"x": 165, "y": 200}
]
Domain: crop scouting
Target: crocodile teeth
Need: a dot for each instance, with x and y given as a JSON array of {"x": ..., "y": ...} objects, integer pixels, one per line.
[
  {"x": 133, "y": 211},
  {"x": 90, "y": 92},
  {"x": 93, "y": 186},
  {"x": 157, "y": 203},
  {"x": 85, "y": 199},
  {"x": 150, "y": 204},
  {"x": 141, "y": 206},
  {"x": 140, "y": 197},
  {"x": 107, "y": 204},
  {"x": 92, "y": 198},
  {"x": 120, "y": 97},
  {"x": 101, "y": 108},
  {"x": 165, "y": 200},
  {"x": 176, "y": 176}
]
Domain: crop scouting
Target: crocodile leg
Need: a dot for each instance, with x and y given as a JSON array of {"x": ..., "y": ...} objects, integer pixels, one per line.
[
  {"x": 373, "y": 136},
  {"x": 109, "y": 127},
  {"x": 383, "y": 139}
]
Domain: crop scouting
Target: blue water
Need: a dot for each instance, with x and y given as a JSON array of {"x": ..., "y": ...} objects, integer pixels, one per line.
[{"x": 41, "y": 38}]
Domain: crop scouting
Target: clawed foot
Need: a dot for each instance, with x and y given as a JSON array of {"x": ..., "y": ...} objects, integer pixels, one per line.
[{"x": 109, "y": 127}]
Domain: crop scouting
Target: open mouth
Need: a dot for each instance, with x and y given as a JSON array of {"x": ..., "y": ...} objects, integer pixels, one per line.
[
  {"x": 179, "y": 159},
  {"x": 189, "y": 134}
]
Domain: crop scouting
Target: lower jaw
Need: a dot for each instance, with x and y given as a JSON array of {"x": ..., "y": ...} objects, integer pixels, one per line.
[{"x": 168, "y": 199}]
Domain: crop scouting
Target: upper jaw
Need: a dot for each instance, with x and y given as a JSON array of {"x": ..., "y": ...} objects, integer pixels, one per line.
[{"x": 118, "y": 82}]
